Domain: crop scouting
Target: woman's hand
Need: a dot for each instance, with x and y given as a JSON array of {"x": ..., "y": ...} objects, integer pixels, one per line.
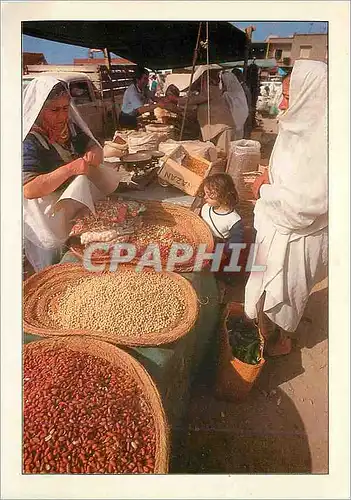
[
  {"x": 262, "y": 179},
  {"x": 94, "y": 157},
  {"x": 79, "y": 167}
]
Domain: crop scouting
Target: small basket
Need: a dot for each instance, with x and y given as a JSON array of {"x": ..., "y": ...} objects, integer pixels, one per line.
[{"x": 235, "y": 378}]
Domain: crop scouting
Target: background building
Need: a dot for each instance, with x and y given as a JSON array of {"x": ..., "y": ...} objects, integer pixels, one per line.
[{"x": 305, "y": 46}]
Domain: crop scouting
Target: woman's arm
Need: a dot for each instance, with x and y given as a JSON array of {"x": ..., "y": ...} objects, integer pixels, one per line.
[
  {"x": 194, "y": 100},
  {"x": 45, "y": 184},
  {"x": 256, "y": 186}
]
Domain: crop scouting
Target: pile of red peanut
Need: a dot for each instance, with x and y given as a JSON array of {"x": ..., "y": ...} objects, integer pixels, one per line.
[{"x": 83, "y": 415}]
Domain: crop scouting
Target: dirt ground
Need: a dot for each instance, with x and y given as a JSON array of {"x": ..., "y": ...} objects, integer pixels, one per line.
[{"x": 282, "y": 427}]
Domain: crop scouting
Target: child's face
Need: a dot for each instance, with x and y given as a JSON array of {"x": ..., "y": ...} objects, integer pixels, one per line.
[{"x": 211, "y": 197}]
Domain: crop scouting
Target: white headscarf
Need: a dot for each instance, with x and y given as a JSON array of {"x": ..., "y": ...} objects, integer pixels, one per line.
[
  {"x": 34, "y": 97},
  {"x": 298, "y": 193},
  {"x": 236, "y": 100}
]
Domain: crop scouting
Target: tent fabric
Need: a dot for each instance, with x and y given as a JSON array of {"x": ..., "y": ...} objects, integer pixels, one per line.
[
  {"x": 261, "y": 63},
  {"x": 154, "y": 44}
]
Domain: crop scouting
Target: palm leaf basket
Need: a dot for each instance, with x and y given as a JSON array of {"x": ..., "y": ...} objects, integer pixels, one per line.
[
  {"x": 135, "y": 371},
  {"x": 43, "y": 290},
  {"x": 177, "y": 217}
]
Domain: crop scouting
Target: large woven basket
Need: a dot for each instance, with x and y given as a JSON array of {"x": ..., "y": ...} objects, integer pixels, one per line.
[
  {"x": 186, "y": 222},
  {"x": 136, "y": 371},
  {"x": 42, "y": 292}
]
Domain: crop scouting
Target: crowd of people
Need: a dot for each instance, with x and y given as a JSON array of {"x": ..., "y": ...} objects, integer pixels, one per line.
[{"x": 63, "y": 171}]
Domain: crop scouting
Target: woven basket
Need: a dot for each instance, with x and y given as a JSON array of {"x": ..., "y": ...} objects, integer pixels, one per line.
[
  {"x": 136, "y": 371},
  {"x": 43, "y": 290},
  {"x": 235, "y": 378},
  {"x": 190, "y": 225},
  {"x": 245, "y": 184}
]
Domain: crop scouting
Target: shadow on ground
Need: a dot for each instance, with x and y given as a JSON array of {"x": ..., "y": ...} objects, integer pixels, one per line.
[{"x": 264, "y": 434}]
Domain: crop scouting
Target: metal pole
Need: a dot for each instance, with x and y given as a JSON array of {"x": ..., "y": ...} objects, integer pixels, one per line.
[
  {"x": 191, "y": 80},
  {"x": 246, "y": 56},
  {"x": 208, "y": 79},
  {"x": 107, "y": 54}
]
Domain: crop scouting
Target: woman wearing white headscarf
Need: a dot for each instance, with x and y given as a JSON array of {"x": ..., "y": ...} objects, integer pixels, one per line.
[
  {"x": 291, "y": 215},
  {"x": 62, "y": 171},
  {"x": 213, "y": 111},
  {"x": 237, "y": 102}
]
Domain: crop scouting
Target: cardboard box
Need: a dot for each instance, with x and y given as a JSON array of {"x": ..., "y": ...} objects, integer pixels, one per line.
[{"x": 181, "y": 177}]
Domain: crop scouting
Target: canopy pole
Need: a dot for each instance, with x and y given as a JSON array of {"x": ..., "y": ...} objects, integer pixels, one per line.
[
  {"x": 191, "y": 80},
  {"x": 248, "y": 33},
  {"x": 107, "y": 55},
  {"x": 208, "y": 78}
]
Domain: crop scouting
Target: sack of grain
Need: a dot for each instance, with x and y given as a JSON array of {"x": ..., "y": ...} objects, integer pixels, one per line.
[
  {"x": 244, "y": 156},
  {"x": 142, "y": 141},
  {"x": 114, "y": 149},
  {"x": 163, "y": 132}
]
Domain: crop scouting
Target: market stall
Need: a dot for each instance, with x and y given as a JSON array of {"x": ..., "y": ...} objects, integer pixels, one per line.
[{"x": 158, "y": 323}]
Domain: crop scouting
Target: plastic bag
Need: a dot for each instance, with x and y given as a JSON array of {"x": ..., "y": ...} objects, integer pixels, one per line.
[{"x": 244, "y": 156}]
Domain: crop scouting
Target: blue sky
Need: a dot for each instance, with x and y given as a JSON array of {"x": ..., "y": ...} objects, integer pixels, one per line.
[{"x": 60, "y": 53}]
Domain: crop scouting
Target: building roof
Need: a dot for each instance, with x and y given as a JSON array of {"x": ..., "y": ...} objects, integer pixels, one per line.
[
  {"x": 310, "y": 34},
  {"x": 277, "y": 39},
  {"x": 30, "y": 58},
  {"x": 117, "y": 61},
  {"x": 66, "y": 77}
]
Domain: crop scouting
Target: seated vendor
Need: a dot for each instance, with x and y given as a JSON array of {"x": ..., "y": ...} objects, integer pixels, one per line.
[
  {"x": 137, "y": 99},
  {"x": 172, "y": 113},
  {"x": 59, "y": 151}
]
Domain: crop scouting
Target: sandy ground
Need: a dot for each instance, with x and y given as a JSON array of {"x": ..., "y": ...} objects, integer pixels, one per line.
[{"x": 282, "y": 427}]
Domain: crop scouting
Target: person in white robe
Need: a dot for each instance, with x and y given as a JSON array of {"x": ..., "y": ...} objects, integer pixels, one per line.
[
  {"x": 236, "y": 99},
  {"x": 291, "y": 214}
]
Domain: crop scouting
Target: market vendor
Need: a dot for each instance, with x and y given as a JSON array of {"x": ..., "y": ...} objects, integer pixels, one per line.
[
  {"x": 221, "y": 128},
  {"x": 62, "y": 171},
  {"x": 137, "y": 100},
  {"x": 172, "y": 114}
]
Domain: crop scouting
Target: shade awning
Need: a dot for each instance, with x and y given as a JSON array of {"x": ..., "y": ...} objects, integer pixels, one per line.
[
  {"x": 261, "y": 63},
  {"x": 154, "y": 44}
]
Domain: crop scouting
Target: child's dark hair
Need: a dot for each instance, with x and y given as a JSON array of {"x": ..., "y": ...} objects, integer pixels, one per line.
[{"x": 223, "y": 188}]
